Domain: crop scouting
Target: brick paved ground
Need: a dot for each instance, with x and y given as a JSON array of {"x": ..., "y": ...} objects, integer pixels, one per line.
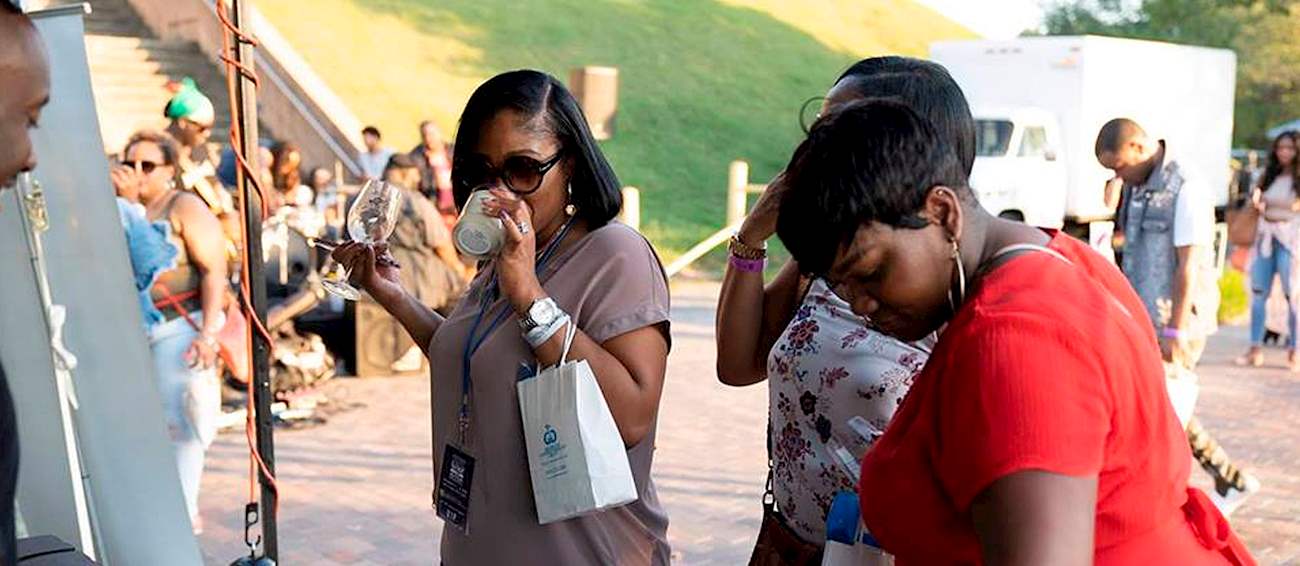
[
  {"x": 356, "y": 489},
  {"x": 1255, "y": 414}
]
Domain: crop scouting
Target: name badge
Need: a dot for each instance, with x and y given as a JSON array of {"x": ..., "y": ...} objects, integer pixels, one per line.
[{"x": 454, "y": 488}]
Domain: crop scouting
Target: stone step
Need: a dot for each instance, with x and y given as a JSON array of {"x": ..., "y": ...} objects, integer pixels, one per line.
[
  {"x": 107, "y": 42},
  {"x": 115, "y": 29},
  {"x": 145, "y": 105},
  {"x": 181, "y": 52},
  {"x": 208, "y": 82},
  {"x": 138, "y": 71},
  {"x": 130, "y": 68}
]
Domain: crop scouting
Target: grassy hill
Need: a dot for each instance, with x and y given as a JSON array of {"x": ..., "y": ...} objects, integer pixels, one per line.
[{"x": 702, "y": 82}]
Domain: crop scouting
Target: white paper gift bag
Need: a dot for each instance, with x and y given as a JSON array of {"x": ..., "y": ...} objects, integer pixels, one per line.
[
  {"x": 1183, "y": 391},
  {"x": 575, "y": 453}
]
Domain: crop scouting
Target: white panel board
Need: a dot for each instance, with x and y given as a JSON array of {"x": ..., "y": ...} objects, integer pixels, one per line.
[{"x": 133, "y": 484}]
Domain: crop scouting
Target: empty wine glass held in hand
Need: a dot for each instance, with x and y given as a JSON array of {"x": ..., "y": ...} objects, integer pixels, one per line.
[{"x": 371, "y": 220}]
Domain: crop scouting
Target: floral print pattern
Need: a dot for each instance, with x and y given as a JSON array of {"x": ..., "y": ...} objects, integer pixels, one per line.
[{"x": 827, "y": 368}]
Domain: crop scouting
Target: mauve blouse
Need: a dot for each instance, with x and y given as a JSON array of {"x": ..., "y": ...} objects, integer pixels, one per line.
[{"x": 611, "y": 282}]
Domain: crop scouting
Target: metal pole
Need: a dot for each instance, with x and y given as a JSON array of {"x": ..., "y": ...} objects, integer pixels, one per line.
[
  {"x": 246, "y": 117},
  {"x": 737, "y": 183}
]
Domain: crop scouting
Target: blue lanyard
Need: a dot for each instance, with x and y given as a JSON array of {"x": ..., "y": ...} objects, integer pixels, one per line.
[{"x": 473, "y": 342}]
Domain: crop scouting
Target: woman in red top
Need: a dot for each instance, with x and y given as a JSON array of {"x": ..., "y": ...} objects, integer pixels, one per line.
[{"x": 1039, "y": 431}]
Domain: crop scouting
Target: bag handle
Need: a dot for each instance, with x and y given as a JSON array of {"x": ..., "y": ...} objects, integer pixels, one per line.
[{"x": 570, "y": 331}]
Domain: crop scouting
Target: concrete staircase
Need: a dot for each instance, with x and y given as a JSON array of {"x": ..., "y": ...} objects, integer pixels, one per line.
[{"x": 130, "y": 68}]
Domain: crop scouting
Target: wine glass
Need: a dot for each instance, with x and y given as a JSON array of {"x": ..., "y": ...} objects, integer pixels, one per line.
[{"x": 371, "y": 220}]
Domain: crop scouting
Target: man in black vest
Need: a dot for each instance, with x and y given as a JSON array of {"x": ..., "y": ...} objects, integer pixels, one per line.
[{"x": 26, "y": 73}]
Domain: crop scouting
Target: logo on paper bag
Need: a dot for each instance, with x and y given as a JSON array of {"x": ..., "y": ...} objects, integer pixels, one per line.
[{"x": 554, "y": 453}]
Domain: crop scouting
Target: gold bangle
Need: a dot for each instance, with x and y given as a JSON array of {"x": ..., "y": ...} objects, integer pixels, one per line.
[{"x": 745, "y": 251}]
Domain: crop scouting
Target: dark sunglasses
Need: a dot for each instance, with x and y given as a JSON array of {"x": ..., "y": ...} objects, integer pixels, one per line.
[
  {"x": 521, "y": 174},
  {"x": 203, "y": 128},
  {"x": 145, "y": 167}
]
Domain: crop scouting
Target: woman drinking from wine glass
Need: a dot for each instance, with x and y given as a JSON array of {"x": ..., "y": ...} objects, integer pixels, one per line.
[{"x": 562, "y": 259}]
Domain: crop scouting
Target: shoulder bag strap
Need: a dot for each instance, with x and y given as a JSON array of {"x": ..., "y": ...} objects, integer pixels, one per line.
[{"x": 172, "y": 301}]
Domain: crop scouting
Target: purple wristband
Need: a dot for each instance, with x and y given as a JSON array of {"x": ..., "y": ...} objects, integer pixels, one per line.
[
  {"x": 1170, "y": 333},
  {"x": 748, "y": 265}
]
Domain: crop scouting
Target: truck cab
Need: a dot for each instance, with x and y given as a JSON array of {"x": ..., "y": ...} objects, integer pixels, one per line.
[{"x": 1020, "y": 172}]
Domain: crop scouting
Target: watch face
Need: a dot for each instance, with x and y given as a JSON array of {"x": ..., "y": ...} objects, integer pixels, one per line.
[{"x": 543, "y": 312}]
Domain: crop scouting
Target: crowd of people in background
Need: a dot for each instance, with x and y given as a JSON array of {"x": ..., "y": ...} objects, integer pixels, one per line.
[
  {"x": 992, "y": 391},
  {"x": 179, "y": 210}
]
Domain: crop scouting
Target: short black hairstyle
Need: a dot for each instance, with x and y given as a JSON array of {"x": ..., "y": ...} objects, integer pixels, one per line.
[
  {"x": 870, "y": 161},
  {"x": 401, "y": 161},
  {"x": 597, "y": 193},
  {"x": 1115, "y": 133},
  {"x": 371, "y": 130},
  {"x": 927, "y": 88},
  {"x": 11, "y": 7}
]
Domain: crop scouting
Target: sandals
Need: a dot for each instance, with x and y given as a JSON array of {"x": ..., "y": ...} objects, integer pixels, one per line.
[{"x": 1255, "y": 358}]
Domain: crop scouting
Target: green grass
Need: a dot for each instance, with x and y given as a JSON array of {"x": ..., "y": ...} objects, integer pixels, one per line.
[
  {"x": 702, "y": 82},
  {"x": 1234, "y": 301}
]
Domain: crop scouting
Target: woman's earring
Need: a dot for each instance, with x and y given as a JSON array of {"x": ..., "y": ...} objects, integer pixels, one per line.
[
  {"x": 171, "y": 183},
  {"x": 570, "y": 209},
  {"x": 961, "y": 279}
]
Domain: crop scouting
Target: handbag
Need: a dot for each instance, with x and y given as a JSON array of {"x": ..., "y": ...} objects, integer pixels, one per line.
[
  {"x": 1243, "y": 223},
  {"x": 232, "y": 338},
  {"x": 576, "y": 458},
  {"x": 778, "y": 544}
]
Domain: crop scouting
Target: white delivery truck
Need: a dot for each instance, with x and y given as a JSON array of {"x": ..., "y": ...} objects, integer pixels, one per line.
[{"x": 1039, "y": 102}]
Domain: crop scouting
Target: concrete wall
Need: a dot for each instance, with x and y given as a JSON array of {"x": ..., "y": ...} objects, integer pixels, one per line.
[{"x": 292, "y": 100}]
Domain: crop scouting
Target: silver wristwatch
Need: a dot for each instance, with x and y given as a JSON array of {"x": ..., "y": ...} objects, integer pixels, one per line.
[{"x": 541, "y": 314}]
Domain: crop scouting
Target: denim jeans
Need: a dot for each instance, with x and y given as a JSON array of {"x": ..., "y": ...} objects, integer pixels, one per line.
[
  {"x": 168, "y": 343},
  {"x": 1261, "y": 284}
]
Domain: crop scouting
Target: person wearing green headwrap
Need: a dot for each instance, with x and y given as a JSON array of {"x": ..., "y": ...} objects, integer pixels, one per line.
[
  {"x": 192, "y": 116},
  {"x": 191, "y": 113}
]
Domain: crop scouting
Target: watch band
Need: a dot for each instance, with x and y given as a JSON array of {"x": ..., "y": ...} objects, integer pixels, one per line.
[
  {"x": 538, "y": 336},
  {"x": 526, "y": 321},
  {"x": 745, "y": 251}
]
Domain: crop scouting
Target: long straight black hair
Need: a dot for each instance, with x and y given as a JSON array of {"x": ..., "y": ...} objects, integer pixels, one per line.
[
  {"x": 597, "y": 193},
  {"x": 1275, "y": 169}
]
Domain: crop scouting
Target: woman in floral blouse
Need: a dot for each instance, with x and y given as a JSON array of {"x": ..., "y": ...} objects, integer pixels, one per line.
[{"x": 834, "y": 384}]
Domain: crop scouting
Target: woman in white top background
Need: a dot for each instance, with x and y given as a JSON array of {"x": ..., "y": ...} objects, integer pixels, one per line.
[{"x": 1275, "y": 248}]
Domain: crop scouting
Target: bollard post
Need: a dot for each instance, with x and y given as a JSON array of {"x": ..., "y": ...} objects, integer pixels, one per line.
[
  {"x": 631, "y": 214},
  {"x": 737, "y": 183}
]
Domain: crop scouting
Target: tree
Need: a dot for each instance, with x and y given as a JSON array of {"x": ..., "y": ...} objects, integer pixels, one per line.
[{"x": 1261, "y": 32}]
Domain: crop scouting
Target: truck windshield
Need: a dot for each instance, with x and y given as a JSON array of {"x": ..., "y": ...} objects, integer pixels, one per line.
[{"x": 992, "y": 137}]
